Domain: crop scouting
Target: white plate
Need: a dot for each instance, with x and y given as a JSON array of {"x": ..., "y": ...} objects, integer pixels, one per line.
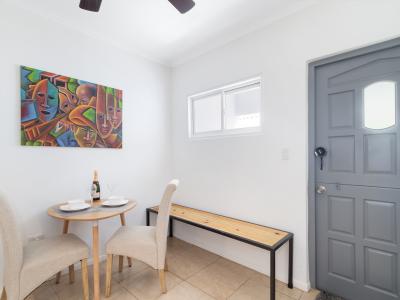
[
  {"x": 74, "y": 207},
  {"x": 115, "y": 202}
]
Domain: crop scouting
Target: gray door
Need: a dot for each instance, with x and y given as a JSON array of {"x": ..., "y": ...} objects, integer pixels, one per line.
[{"x": 358, "y": 188}]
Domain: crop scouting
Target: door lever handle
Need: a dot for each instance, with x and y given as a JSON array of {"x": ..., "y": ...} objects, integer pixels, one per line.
[{"x": 320, "y": 153}]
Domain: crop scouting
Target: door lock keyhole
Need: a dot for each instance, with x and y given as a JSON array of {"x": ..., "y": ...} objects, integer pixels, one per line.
[{"x": 320, "y": 153}]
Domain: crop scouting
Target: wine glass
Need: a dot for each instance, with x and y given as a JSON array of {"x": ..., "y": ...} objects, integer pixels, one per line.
[{"x": 111, "y": 188}]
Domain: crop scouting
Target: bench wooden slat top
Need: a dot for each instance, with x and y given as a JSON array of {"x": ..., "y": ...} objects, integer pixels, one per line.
[{"x": 259, "y": 234}]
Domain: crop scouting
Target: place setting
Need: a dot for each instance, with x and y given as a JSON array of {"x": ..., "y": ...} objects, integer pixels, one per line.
[
  {"x": 74, "y": 206},
  {"x": 115, "y": 201},
  {"x": 95, "y": 203},
  {"x": 80, "y": 205}
]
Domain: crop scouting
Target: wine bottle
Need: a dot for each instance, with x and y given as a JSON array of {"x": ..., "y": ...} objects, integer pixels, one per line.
[{"x": 95, "y": 187}]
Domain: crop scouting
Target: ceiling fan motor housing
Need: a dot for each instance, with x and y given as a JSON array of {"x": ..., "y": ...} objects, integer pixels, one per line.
[
  {"x": 91, "y": 5},
  {"x": 183, "y": 6}
]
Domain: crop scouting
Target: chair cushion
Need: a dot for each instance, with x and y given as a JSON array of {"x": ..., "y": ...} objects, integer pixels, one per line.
[
  {"x": 138, "y": 242},
  {"x": 44, "y": 258}
]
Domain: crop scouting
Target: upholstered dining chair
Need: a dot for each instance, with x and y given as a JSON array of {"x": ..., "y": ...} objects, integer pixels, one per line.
[
  {"x": 145, "y": 243},
  {"x": 27, "y": 267}
]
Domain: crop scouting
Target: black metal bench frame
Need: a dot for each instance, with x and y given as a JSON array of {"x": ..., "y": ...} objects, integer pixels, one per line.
[{"x": 272, "y": 249}]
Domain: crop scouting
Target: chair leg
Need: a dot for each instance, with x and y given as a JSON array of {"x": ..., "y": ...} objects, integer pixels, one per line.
[
  {"x": 71, "y": 274},
  {"x": 129, "y": 262},
  {"x": 85, "y": 279},
  {"x": 58, "y": 276},
  {"x": 3, "y": 295},
  {"x": 166, "y": 265},
  {"x": 109, "y": 274},
  {"x": 121, "y": 263},
  {"x": 163, "y": 285}
]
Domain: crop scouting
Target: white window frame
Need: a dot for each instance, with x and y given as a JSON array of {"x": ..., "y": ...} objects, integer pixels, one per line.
[{"x": 223, "y": 91}]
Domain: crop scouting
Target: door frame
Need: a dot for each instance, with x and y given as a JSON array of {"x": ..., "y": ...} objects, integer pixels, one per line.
[{"x": 312, "y": 66}]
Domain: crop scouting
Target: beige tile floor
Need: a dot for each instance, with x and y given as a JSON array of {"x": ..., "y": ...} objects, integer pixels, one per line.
[{"x": 194, "y": 274}]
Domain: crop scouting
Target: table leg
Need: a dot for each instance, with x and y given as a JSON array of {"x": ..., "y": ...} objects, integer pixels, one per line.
[
  {"x": 85, "y": 281},
  {"x": 65, "y": 231},
  {"x": 290, "y": 279},
  {"x": 121, "y": 258},
  {"x": 272, "y": 275},
  {"x": 96, "y": 267},
  {"x": 3, "y": 294}
]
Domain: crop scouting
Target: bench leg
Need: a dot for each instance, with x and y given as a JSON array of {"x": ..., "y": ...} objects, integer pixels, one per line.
[
  {"x": 272, "y": 275},
  {"x": 147, "y": 217},
  {"x": 171, "y": 227},
  {"x": 290, "y": 279}
]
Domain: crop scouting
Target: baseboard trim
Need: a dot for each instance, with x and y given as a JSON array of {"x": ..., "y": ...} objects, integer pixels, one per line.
[{"x": 304, "y": 286}]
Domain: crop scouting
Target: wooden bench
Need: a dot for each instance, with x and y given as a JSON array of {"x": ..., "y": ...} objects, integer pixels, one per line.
[{"x": 267, "y": 238}]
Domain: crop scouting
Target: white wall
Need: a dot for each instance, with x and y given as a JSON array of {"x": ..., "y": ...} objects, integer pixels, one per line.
[
  {"x": 36, "y": 178},
  {"x": 241, "y": 177},
  {"x": 245, "y": 177}
]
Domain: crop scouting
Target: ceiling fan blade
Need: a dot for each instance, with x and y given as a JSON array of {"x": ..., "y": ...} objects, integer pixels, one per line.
[
  {"x": 90, "y": 5},
  {"x": 183, "y": 5}
]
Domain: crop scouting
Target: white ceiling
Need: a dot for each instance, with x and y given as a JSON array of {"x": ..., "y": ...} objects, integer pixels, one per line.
[{"x": 154, "y": 29}]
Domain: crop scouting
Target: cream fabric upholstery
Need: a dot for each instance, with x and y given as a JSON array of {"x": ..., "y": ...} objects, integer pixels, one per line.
[
  {"x": 162, "y": 222},
  {"x": 44, "y": 258},
  {"x": 146, "y": 243},
  {"x": 136, "y": 241},
  {"x": 12, "y": 249},
  {"x": 28, "y": 267}
]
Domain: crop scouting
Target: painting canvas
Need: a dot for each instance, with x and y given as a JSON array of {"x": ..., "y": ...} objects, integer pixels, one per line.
[{"x": 61, "y": 111}]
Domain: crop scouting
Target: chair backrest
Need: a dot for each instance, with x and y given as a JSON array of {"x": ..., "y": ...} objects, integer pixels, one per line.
[
  {"x": 12, "y": 249},
  {"x": 163, "y": 220}
]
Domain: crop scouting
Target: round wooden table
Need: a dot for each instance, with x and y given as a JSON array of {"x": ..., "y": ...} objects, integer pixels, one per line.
[{"x": 94, "y": 214}]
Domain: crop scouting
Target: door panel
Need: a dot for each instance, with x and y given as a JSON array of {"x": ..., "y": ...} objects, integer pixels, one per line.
[
  {"x": 357, "y": 218},
  {"x": 358, "y": 241}
]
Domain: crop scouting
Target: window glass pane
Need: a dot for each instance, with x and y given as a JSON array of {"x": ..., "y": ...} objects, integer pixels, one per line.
[
  {"x": 242, "y": 108},
  {"x": 380, "y": 105},
  {"x": 207, "y": 114}
]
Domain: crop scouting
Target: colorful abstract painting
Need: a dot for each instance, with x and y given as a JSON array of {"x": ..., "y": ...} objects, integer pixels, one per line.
[{"x": 61, "y": 111}]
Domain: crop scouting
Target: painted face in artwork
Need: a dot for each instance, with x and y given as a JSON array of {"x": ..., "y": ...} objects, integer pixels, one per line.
[
  {"x": 46, "y": 95},
  {"x": 114, "y": 110},
  {"x": 67, "y": 139},
  {"x": 67, "y": 100},
  {"x": 85, "y": 92},
  {"x": 85, "y": 136},
  {"x": 103, "y": 120}
]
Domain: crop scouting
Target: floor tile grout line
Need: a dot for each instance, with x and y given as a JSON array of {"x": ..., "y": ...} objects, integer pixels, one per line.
[
  {"x": 215, "y": 259},
  {"x": 134, "y": 275},
  {"x": 129, "y": 292},
  {"x": 240, "y": 286},
  {"x": 190, "y": 276},
  {"x": 200, "y": 290},
  {"x": 219, "y": 258},
  {"x": 202, "y": 269}
]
